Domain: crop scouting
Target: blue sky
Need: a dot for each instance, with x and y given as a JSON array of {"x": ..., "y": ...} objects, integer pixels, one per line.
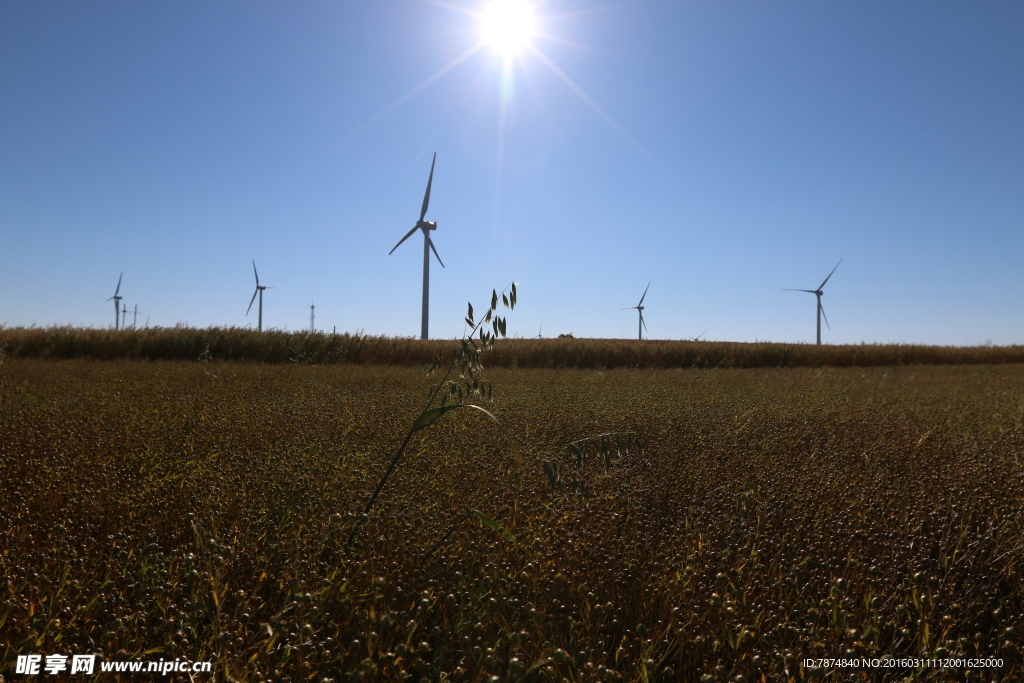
[{"x": 722, "y": 151}]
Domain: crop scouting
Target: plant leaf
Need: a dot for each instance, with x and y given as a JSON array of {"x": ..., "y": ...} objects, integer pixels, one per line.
[
  {"x": 494, "y": 525},
  {"x": 430, "y": 416}
]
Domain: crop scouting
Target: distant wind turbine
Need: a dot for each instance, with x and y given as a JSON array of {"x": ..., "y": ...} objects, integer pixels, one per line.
[
  {"x": 259, "y": 290},
  {"x": 639, "y": 309},
  {"x": 540, "y": 330},
  {"x": 818, "y": 292},
  {"x": 117, "y": 303},
  {"x": 428, "y": 245}
]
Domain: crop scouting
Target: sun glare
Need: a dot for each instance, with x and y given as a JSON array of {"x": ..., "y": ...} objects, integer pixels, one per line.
[{"x": 507, "y": 25}]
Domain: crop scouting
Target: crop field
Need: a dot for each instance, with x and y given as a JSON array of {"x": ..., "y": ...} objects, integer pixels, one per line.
[
  {"x": 278, "y": 346},
  {"x": 731, "y": 525}
]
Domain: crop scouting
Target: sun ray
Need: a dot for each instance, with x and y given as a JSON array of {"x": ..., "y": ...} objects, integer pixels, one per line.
[
  {"x": 592, "y": 104},
  {"x": 452, "y": 8},
  {"x": 587, "y": 12},
  {"x": 500, "y": 162},
  {"x": 419, "y": 88},
  {"x": 433, "y": 77},
  {"x": 565, "y": 42}
]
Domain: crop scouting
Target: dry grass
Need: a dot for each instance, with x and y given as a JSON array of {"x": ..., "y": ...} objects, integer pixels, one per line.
[
  {"x": 197, "y": 510},
  {"x": 317, "y": 348}
]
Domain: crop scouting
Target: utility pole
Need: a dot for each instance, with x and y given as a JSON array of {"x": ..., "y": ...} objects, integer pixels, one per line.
[
  {"x": 124, "y": 316},
  {"x": 135, "y": 318}
]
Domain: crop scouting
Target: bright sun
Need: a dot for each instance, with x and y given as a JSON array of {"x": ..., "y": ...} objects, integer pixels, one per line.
[{"x": 507, "y": 25}]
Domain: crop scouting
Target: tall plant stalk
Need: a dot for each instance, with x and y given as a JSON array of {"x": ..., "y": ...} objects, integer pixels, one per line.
[{"x": 452, "y": 394}]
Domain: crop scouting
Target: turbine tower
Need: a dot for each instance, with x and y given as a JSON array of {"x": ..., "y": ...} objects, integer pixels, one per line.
[
  {"x": 311, "y": 307},
  {"x": 428, "y": 244},
  {"x": 639, "y": 309},
  {"x": 818, "y": 292},
  {"x": 259, "y": 290},
  {"x": 117, "y": 303}
]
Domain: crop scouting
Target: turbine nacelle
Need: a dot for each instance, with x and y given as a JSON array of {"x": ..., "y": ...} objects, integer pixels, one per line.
[
  {"x": 259, "y": 293},
  {"x": 641, "y": 325},
  {"x": 818, "y": 293},
  {"x": 428, "y": 246}
]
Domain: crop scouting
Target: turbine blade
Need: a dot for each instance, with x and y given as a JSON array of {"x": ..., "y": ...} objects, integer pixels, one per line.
[
  {"x": 426, "y": 196},
  {"x": 645, "y": 294},
  {"x": 629, "y": 308},
  {"x": 118, "y": 284},
  {"x": 431, "y": 243},
  {"x": 407, "y": 236},
  {"x": 830, "y": 274},
  {"x": 642, "y": 322},
  {"x": 822, "y": 309},
  {"x": 251, "y": 300},
  {"x": 809, "y": 291},
  {"x": 255, "y": 273}
]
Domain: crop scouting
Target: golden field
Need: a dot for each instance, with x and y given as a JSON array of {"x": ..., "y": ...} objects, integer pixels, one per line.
[
  {"x": 276, "y": 346},
  {"x": 200, "y": 509}
]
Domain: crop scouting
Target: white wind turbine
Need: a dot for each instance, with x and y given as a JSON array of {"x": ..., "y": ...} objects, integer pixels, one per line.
[
  {"x": 259, "y": 290},
  {"x": 117, "y": 303},
  {"x": 428, "y": 245},
  {"x": 818, "y": 292},
  {"x": 639, "y": 309}
]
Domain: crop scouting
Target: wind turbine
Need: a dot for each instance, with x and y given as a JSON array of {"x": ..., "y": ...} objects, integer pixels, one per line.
[
  {"x": 428, "y": 244},
  {"x": 117, "y": 303},
  {"x": 259, "y": 290},
  {"x": 639, "y": 309},
  {"x": 817, "y": 292}
]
